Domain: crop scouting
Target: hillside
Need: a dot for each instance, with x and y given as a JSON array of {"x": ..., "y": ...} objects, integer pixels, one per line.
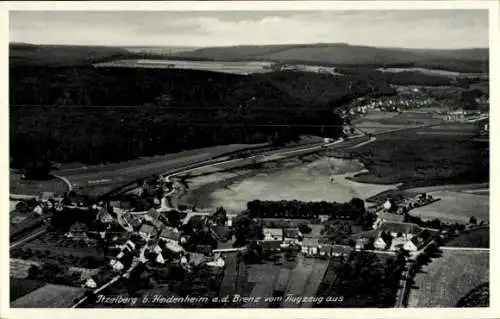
[
  {"x": 62, "y": 55},
  {"x": 467, "y": 60},
  {"x": 464, "y": 60},
  {"x": 96, "y": 115}
]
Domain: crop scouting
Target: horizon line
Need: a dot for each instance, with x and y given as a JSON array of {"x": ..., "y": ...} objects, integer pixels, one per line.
[{"x": 245, "y": 45}]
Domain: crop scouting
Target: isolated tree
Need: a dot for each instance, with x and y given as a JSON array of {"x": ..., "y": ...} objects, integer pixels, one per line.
[{"x": 473, "y": 220}]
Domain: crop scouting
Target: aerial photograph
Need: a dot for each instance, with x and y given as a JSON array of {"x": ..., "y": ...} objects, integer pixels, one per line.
[{"x": 249, "y": 159}]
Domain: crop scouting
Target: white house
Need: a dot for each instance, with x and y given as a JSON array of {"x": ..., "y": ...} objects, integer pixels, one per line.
[
  {"x": 116, "y": 264},
  {"x": 362, "y": 243},
  {"x": 380, "y": 243},
  {"x": 218, "y": 262},
  {"x": 159, "y": 259},
  {"x": 38, "y": 210},
  {"x": 90, "y": 283},
  {"x": 170, "y": 235},
  {"x": 417, "y": 242},
  {"x": 164, "y": 203}
]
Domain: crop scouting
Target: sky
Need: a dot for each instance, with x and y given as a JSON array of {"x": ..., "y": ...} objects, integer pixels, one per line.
[{"x": 432, "y": 29}]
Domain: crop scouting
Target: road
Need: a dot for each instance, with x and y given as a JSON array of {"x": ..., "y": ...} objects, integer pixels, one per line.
[
  {"x": 464, "y": 248},
  {"x": 28, "y": 237},
  {"x": 405, "y": 278}
]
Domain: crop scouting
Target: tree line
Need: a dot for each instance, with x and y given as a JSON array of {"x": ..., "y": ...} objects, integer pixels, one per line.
[{"x": 352, "y": 210}]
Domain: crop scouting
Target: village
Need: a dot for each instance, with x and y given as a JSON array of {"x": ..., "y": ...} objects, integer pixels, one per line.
[{"x": 148, "y": 226}]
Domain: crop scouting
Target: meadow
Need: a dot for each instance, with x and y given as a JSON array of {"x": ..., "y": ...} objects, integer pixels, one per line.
[{"x": 447, "y": 279}]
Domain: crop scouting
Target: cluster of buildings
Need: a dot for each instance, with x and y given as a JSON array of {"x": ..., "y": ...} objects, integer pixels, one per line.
[
  {"x": 393, "y": 233},
  {"x": 390, "y": 211},
  {"x": 392, "y": 104},
  {"x": 146, "y": 237}
]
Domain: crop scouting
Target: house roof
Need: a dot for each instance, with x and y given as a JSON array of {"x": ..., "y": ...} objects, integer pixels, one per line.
[
  {"x": 325, "y": 248},
  {"x": 362, "y": 240},
  {"x": 311, "y": 242},
  {"x": 197, "y": 258},
  {"x": 271, "y": 244},
  {"x": 340, "y": 249},
  {"x": 291, "y": 232},
  {"x": 220, "y": 232},
  {"x": 274, "y": 231},
  {"x": 204, "y": 249},
  {"x": 170, "y": 233},
  {"x": 78, "y": 227},
  {"x": 396, "y": 227},
  {"x": 421, "y": 239},
  {"x": 148, "y": 229}
]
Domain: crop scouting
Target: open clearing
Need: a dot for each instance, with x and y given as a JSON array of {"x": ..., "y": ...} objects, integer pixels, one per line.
[
  {"x": 320, "y": 180},
  {"x": 448, "y": 278},
  {"x": 455, "y": 207},
  {"x": 35, "y": 188},
  {"x": 422, "y": 160}
]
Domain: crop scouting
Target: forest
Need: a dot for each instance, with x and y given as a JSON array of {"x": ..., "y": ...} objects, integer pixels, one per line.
[{"x": 88, "y": 115}]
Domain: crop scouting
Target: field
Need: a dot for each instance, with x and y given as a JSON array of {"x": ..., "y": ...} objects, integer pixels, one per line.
[
  {"x": 263, "y": 277},
  {"x": 475, "y": 238},
  {"x": 242, "y": 67},
  {"x": 422, "y": 160},
  {"x": 378, "y": 122},
  {"x": 302, "y": 278},
  {"x": 447, "y": 279},
  {"x": 305, "y": 279},
  {"x": 433, "y": 72},
  {"x": 21, "y": 287},
  {"x": 96, "y": 179},
  {"x": 455, "y": 207},
  {"x": 28, "y": 187},
  {"x": 49, "y": 296}
]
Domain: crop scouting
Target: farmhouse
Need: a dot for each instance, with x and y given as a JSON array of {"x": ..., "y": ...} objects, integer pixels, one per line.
[
  {"x": 171, "y": 235},
  {"x": 292, "y": 235},
  {"x": 271, "y": 245},
  {"x": 380, "y": 243},
  {"x": 383, "y": 240},
  {"x": 417, "y": 242},
  {"x": 310, "y": 246},
  {"x": 362, "y": 243},
  {"x": 400, "y": 230}
]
